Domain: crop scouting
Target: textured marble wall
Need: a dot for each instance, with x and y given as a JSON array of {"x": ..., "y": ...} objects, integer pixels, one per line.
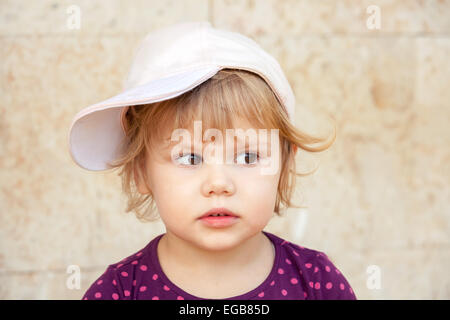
[{"x": 381, "y": 194}]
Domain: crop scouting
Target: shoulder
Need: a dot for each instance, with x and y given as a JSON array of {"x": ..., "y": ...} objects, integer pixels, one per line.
[
  {"x": 320, "y": 277},
  {"x": 104, "y": 287},
  {"x": 117, "y": 281}
]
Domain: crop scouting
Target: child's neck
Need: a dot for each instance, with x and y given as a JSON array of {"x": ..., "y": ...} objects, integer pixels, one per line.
[{"x": 246, "y": 265}]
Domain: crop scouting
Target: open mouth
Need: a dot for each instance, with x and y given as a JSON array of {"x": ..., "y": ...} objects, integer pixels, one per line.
[{"x": 219, "y": 213}]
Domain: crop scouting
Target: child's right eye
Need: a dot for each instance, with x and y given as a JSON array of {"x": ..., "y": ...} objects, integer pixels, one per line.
[{"x": 189, "y": 159}]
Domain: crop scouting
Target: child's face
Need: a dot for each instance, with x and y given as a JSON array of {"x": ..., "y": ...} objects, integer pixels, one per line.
[{"x": 185, "y": 189}]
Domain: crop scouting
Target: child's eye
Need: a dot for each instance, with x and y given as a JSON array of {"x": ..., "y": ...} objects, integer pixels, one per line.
[
  {"x": 248, "y": 158},
  {"x": 189, "y": 159}
]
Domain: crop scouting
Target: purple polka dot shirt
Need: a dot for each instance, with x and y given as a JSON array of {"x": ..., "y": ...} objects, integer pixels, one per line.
[{"x": 298, "y": 273}]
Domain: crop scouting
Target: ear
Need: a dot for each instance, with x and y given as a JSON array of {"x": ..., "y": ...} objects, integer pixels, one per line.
[{"x": 140, "y": 183}]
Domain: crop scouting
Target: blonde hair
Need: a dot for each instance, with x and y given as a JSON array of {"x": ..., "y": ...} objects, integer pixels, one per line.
[{"x": 228, "y": 95}]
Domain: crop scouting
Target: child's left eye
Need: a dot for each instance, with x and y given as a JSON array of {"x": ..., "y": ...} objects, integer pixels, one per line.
[{"x": 249, "y": 157}]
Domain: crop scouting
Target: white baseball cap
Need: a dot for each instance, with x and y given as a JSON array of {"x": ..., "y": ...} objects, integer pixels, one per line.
[{"x": 169, "y": 62}]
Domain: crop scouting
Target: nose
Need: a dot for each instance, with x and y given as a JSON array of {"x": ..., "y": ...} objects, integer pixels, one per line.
[{"x": 218, "y": 181}]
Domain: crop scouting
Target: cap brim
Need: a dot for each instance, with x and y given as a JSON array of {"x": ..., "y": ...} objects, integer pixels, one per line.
[{"x": 96, "y": 133}]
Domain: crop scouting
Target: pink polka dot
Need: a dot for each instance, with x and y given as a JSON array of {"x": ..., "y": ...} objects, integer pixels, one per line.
[
  {"x": 115, "y": 296},
  {"x": 308, "y": 265},
  {"x": 114, "y": 282},
  {"x": 351, "y": 291},
  {"x": 280, "y": 271},
  {"x": 327, "y": 269},
  {"x": 305, "y": 294},
  {"x": 99, "y": 281},
  {"x": 311, "y": 284},
  {"x": 98, "y": 295},
  {"x": 180, "y": 298},
  {"x": 155, "y": 298},
  {"x": 121, "y": 264},
  {"x": 142, "y": 288},
  {"x": 337, "y": 271},
  {"x": 294, "y": 281},
  {"x": 140, "y": 253},
  {"x": 295, "y": 252},
  {"x": 284, "y": 242},
  {"x": 288, "y": 261},
  {"x": 261, "y": 294},
  {"x": 342, "y": 286},
  {"x": 166, "y": 288},
  {"x": 329, "y": 285},
  {"x": 143, "y": 267},
  {"x": 317, "y": 286},
  {"x": 126, "y": 293},
  {"x": 134, "y": 282},
  {"x": 124, "y": 274},
  {"x": 135, "y": 262},
  {"x": 283, "y": 292},
  {"x": 155, "y": 276},
  {"x": 272, "y": 283},
  {"x": 316, "y": 269},
  {"x": 85, "y": 298}
]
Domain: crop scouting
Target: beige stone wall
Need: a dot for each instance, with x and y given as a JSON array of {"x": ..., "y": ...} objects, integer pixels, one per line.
[{"x": 381, "y": 193}]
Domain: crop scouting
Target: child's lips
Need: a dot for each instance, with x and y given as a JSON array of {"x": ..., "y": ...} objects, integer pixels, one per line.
[
  {"x": 219, "y": 221},
  {"x": 223, "y": 211}
]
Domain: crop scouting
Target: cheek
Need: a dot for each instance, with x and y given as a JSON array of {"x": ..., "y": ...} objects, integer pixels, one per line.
[
  {"x": 261, "y": 196},
  {"x": 163, "y": 187},
  {"x": 169, "y": 192},
  {"x": 173, "y": 194},
  {"x": 166, "y": 181}
]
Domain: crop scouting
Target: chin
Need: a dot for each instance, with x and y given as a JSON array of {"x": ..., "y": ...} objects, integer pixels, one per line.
[{"x": 218, "y": 242}]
